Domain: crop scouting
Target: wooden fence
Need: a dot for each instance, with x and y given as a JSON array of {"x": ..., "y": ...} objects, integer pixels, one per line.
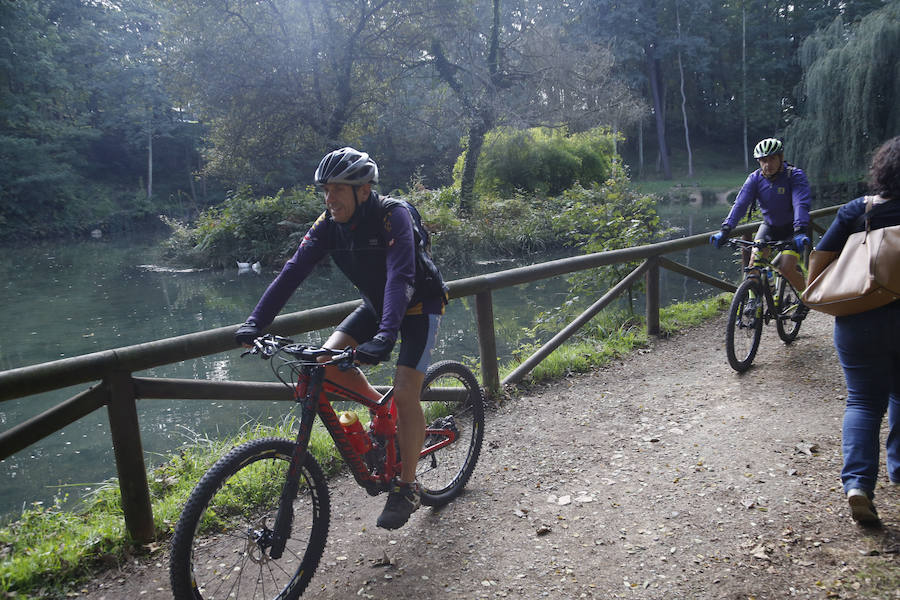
[{"x": 114, "y": 386}]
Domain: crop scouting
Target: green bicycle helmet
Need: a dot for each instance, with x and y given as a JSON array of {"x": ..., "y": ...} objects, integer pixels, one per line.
[{"x": 768, "y": 147}]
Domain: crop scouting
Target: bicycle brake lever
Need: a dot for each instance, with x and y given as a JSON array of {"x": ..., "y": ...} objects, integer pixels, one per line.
[{"x": 346, "y": 360}]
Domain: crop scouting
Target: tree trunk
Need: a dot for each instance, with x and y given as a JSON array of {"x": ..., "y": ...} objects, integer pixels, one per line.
[
  {"x": 470, "y": 164},
  {"x": 641, "y": 147},
  {"x": 744, "y": 83},
  {"x": 653, "y": 75},
  {"x": 687, "y": 133},
  {"x": 149, "y": 157}
]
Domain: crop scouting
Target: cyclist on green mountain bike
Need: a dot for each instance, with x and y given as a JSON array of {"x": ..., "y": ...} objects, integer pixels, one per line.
[
  {"x": 782, "y": 192},
  {"x": 373, "y": 240}
]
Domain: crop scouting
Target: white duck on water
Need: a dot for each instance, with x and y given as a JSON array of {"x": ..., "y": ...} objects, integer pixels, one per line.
[{"x": 245, "y": 267}]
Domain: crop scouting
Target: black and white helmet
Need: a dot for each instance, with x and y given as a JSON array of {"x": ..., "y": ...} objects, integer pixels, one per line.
[{"x": 347, "y": 166}]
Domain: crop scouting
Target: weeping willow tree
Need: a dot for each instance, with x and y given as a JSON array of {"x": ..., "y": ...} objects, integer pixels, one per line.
[{"x": 851, "y": 88}]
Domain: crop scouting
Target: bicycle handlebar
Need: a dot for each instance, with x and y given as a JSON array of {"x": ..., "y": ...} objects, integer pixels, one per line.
[
  {"x": 268, "y": 345},
  {"x": 777, "y": 245}
]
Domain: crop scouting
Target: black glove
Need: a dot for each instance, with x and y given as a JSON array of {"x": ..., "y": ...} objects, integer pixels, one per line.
[
  {"x": 246, "y": 333},
  {"x": 375, "y": 350}
]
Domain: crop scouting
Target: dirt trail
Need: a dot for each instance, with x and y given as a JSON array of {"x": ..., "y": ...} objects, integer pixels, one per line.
[{"x": 664, "y": 475}]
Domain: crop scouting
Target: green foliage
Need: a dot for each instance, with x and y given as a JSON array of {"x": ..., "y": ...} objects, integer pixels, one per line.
[
  {"x": 80, "y": 96},
  {"x": 607, "y": 217},
  {"x": 244, "y": 228},
  {"x": 601, "y": 217},
  {"x": 49, "y": 546},
  {"x": 851, "y": 80},
  {"x": 540, "y": 160},
  {"x": 613, "y": 334}
]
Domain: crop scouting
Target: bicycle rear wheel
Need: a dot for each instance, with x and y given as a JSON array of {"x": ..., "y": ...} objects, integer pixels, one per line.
[
  {"x": 744, "y": 329},
  {"x": 788, "y": 303},
  {"x": 222, "y": 540},
  {"x": 452, "y": 402}
]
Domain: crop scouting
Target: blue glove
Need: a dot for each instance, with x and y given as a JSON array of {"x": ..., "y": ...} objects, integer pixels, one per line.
[
  {"x": 801, "y": 240},
  {"x": 246, "y": 333},
  {"x": 375, "y": 350},
  {"x": 718, "y": 239}
]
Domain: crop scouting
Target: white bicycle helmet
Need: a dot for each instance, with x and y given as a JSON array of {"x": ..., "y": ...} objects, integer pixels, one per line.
[
  {"x": 347, "y": 165},
  {"x": 768, "y": 147}
]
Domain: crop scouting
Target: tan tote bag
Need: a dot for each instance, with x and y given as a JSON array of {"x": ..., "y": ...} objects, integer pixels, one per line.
[{"x": 865, "y": 275}]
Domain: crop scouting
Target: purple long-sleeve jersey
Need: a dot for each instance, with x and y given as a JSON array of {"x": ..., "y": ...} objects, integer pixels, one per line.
[
  {"x": 783, "y": 200},
  {"x": 377, "y": 253}
]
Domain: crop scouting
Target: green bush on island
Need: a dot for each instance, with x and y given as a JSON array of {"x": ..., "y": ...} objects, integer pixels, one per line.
[{"x": 539, "y": 190}]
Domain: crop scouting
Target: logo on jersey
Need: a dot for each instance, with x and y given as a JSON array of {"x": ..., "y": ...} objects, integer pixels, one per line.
[
  {"x": 310, "y": 237},
  {"x": 781, "y": 191}
]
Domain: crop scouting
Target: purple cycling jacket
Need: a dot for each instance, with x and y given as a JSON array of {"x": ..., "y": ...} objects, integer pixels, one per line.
[
  {"x": 783, "y": 200},
  {"x": 376, "y": 251}
]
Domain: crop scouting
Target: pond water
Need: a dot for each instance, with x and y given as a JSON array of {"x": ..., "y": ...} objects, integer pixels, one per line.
[{"x": 100, "y": 294}]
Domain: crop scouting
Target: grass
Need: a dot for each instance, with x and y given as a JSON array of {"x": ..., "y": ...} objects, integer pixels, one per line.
[
  {"x": 50, "y": 549},
  {"x": 715, "y": 169},
  {"x": 878, "y": 579},
  {"x": 612, "y": 335},
  {"x": 713, "y": 180}
]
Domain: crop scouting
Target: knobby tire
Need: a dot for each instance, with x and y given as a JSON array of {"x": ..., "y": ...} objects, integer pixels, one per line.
[
  {"x": 219, "y": 548},
  {"x": 444, "y": 473},
  {"x": 745, "y": 321},
  {"x": 788, "y": 303}
]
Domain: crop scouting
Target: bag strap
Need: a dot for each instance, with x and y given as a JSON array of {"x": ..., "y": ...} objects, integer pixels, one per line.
[{"x": 870, "y": 201}]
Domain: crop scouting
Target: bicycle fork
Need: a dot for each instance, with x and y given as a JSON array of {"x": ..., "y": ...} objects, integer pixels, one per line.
[{"x": 307, "y": 393}]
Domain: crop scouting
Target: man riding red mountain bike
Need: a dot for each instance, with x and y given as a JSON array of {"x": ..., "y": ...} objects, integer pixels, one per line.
[{"x": 374, "y": 241}]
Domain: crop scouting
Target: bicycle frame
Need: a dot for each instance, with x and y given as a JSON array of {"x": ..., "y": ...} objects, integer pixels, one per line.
[
  {"x": 761, "y": 266},
  {"x": 312, "y": 393}
]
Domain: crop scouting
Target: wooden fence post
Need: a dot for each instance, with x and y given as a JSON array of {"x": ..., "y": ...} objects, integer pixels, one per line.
[
  {"x": 126, "y": 439},
  {"x": 487, "y": 342},
  {"x": 652, "y": 302}
]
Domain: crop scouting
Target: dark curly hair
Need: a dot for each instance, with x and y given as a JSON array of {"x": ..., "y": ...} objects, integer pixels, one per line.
[{"x": 884, "y": 174}]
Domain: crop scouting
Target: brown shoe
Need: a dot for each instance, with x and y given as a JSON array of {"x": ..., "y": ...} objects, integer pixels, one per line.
[{"x": 862, "y": 509}]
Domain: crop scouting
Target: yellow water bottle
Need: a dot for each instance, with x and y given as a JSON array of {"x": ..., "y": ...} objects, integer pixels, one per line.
[{"x": 358, "y": 437}]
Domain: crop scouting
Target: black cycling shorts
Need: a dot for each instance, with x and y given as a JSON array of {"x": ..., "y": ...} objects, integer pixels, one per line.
[
  {"x": 771, "y": 233},
  {"x": 418, "y": 334}
]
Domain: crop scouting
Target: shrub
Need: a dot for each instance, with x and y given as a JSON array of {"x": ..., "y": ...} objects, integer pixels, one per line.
[
  {"x": 540, "y": 160},
  {"x": 245, "y": 229}
]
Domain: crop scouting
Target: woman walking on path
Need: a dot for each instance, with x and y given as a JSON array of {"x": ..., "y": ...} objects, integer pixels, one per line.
[{"x": 868, "y": 347}]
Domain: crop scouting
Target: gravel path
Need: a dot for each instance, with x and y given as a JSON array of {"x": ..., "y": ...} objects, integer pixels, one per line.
[{"x": 664, "y": 475}]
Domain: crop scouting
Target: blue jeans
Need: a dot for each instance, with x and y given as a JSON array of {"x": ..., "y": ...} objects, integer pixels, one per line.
[{"x": 868, "y": 346}]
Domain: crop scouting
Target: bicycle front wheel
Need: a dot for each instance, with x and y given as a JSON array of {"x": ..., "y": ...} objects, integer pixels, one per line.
[
  {"x": 788, "y": 303},
  {"x": 222, "y": 542},
  {"x": 744, "y": 329},
  {"x": 454, "y": 410}
]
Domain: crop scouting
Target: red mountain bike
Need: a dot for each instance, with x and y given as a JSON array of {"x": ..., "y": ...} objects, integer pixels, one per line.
[{"x": 255, "y": 525}]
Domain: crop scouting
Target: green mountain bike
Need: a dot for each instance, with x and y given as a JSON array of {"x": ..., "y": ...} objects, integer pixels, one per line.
[{"x": 764, "y": 296}]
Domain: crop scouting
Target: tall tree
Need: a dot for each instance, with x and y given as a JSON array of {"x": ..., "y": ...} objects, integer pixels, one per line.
[
  {"x": 280, "y": 81},
  {"x": 851, "y": 82},
  {"x": 518, "y": 63},
  {"x": 68, "y": 134}
]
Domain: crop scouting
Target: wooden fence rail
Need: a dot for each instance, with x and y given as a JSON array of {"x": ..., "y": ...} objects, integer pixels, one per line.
[{"x": 113, "y": 385}]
